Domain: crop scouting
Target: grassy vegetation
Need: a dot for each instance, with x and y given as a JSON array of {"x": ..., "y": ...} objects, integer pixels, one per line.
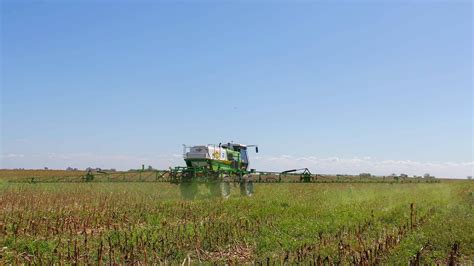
[
  {"x": 26, "y": 175},
  {"x": 292, "y": 222}
]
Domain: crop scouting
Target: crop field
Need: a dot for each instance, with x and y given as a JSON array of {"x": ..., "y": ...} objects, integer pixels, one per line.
[{"x": 314, "y": 223}]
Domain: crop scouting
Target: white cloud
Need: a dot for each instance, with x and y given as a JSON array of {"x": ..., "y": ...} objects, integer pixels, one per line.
[
  {"x": 336, "y": 165},
  {"x": 14, "y": 155},
  {"x": 322, "y": 165}
]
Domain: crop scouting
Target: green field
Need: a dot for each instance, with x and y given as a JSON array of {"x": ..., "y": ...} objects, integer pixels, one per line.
[{"x": 393, "y": 223}]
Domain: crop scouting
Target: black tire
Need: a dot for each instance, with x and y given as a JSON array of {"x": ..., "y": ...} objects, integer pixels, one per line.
[
  {"x": 214, "y": 188},
  {"x": 246, "y": 185},
  {"x": 188, "y": 190},
  {"x": 225, "y": 187},
  {"x": 243, "y": 189}
]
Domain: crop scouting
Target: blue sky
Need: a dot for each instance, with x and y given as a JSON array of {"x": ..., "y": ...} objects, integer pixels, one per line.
[{"x": 337, "y": 87}]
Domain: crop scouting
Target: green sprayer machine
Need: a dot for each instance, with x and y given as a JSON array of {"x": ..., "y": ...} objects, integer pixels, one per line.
[{"x": 216, "y": 166}]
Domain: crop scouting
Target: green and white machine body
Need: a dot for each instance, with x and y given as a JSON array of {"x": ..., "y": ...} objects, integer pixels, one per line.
[
  {"x": 217, "y": 158},
  {"x": 213, "y": 163}
]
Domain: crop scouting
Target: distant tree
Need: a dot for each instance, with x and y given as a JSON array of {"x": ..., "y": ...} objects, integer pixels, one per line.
[
  {"x": 395, "y": 177},
  {"x": 45, "y": 168},
  {"x": 89, "y": 176},
  {"x": 150, "y": 168},
  {"x": 428, "y": 176},
  {"x": 469, "y": 177}
]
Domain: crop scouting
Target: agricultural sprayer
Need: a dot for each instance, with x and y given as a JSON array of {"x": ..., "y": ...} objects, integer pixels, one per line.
[{"x": 216, "y": 166}]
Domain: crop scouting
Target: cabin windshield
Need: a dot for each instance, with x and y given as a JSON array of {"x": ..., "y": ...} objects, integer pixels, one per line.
[{"x": 243, "y": 156}]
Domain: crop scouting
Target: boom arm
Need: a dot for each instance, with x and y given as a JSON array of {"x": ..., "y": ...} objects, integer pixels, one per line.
[{"x": 294, "y": 170}]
